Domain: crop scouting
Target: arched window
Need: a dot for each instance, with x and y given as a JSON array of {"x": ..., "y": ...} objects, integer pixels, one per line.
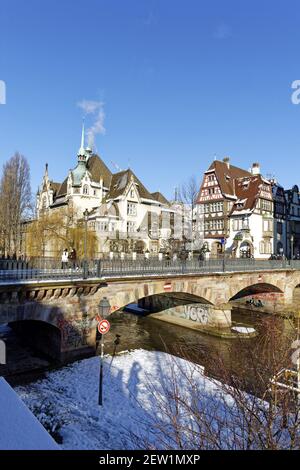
[
  {"x": 262, "y": 247},
  {"x": 85, "y": 189}
]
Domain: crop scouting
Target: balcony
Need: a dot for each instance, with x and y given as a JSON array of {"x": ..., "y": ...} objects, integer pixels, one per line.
[{"x": 267, "y": 234}]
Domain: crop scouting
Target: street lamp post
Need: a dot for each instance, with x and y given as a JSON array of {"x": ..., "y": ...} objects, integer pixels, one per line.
[
  {"x": 292, "y": 247},
  {"x": 224, "y": 253},
  {"x": 86, "y": 217},
  {"x": 104, "y": 310}
]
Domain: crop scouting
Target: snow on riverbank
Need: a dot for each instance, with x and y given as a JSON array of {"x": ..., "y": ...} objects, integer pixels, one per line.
[
  {"x": 134, "y": 384},
  {"x": 243, "y": 329}
]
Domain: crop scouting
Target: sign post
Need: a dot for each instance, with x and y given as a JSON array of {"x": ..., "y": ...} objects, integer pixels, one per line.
[{"x": 103, "y": 328}]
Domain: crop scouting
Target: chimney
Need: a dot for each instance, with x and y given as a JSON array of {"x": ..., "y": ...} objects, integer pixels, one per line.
[
  {"x": 255, "y": 170},
  {"x": 227, "y": 161}
]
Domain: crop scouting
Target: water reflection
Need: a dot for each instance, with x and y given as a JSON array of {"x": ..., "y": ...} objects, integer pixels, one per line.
[{"x": 152, "y": 334}]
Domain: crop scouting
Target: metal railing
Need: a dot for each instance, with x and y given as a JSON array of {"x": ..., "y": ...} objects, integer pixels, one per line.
[{"x": 146, "y": 267}]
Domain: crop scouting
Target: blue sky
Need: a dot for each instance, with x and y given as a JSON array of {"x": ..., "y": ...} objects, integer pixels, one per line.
[{"x": 180, "y": 82}]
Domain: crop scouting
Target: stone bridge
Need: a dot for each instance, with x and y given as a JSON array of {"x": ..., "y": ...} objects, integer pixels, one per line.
[{"x": 59, "y": 317}]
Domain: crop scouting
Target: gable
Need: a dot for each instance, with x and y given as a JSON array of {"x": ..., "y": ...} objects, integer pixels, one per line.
[{"x": 210, "y": 188}]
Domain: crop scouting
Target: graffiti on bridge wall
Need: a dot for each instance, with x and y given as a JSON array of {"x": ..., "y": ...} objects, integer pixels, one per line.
[
  {"x": 196, "y": 313},
  {"x": 269, "y": 296},
  {"x": 74, "y": 331}
]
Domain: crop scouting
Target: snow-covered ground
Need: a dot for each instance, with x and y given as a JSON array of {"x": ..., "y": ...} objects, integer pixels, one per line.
[
  {"x": 139, "y": 409},
  {"x": 134, "y": 384}
]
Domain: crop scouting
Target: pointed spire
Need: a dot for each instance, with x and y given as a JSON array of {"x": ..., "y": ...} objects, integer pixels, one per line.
[
  {"x": 81, "y": 151},
  {"x": 82, "y": 135}
]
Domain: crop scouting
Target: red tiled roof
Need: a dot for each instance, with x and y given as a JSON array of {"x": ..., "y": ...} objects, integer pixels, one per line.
[{"x": 226, "y": 174}]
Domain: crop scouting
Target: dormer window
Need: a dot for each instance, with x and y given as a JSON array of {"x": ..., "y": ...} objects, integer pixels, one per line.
[
  {"x": 240, "y": 204},
  {"x": 245, "y": 184}
]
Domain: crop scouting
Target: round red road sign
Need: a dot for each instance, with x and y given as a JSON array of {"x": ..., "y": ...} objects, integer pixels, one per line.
[{"x": 103, "y": 327}]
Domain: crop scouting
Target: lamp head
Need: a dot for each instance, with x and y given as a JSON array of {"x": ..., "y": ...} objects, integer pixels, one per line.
[{"x": 104, "y": 307}]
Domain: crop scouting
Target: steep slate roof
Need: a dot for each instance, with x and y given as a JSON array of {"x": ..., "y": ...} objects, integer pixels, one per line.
[
  {"x": 226, "y": 176},
  {"x": 54, "y": 186},
  {"x": 119, "y": 185},
  {"x": 98, "y": 169},
  {"x": 158, "y": 196},
  {"x": 63, "y": 188}
]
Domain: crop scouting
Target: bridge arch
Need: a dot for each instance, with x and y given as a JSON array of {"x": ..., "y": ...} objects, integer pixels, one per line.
[
  {"x": 254, "y": 289},
  {"x": 295, "y": 282},
  {"x": 182, "y": 291},
  {"x": 40, "y": 335},
  {"x": 166, "y": 300},
  {"x": 167, "y": 304}
]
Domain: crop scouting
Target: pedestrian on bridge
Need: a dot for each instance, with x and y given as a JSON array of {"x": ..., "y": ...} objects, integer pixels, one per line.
[
  {"x": 73, "y": 258},
  {"x": 64, "y": 259}
]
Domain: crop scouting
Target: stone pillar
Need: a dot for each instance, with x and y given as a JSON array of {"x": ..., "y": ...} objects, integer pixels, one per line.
[
  {"x": 288, "y": 294},
  {"x": 220, "y": 316}
]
